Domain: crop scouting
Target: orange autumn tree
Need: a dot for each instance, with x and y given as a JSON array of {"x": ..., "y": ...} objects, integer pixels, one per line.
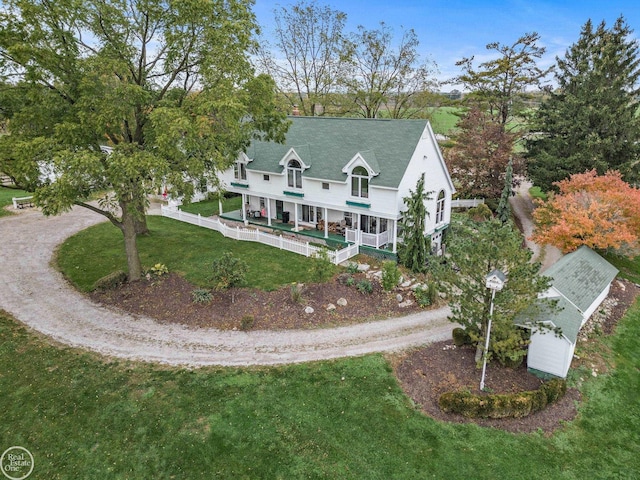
[{"x": 600, "y": 211}]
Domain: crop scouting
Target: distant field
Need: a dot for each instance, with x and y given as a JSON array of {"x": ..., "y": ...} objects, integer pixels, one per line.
[{"x": 444, "y": 119}]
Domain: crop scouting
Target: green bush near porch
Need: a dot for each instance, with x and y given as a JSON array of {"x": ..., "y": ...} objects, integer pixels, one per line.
[{"x": 185, "y": 249}]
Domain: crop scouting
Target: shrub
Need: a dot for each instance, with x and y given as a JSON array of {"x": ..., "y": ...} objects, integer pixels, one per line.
[
  {"x": 296, "y": 293},
  {"x": 201, "y": 295},
  {"x": 228, "y": 272},
  {"x": 352, "y": 268},
  {"x": 422, "y": 297},
  {"x": 111, "y": 281},
  {"x": 461, "y": 337},
  {"x": 343, "y": 278},
  {"x": 158, "y": 270},
  {"x": 365, "y": 286},
  {"x": 390, "y": 275},
  {"x": 516, "y": 405},
  {"x": 247, "y": 323},
  {"x": 321, "y": 266},
  {"x": 350, "y": 281}
]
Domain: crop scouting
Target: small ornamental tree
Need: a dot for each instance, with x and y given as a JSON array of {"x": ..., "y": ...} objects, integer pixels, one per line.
[
  {"x": 504, "y": 209},
  {"x": 475, "y": 248},
  {"x": 600, "y": 211},
  {"x": 228, "y": 272},
  {"x": 415, "y": 246}
]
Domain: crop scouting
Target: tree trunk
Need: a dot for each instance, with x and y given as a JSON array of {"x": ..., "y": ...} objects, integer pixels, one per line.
[
  {"x": 141, "y": 225},
  {"x": 130, "y": 241}
]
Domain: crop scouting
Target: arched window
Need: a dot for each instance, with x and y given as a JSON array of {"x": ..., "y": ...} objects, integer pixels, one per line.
[
  {"x": 294, "y": 174},
  {"x": 360, "y": 182},
  {"x": 440, "y": 207}
]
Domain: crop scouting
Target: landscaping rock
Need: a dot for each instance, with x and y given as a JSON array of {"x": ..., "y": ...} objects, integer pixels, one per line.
[
  {"x": 342, "y": 302},
  {"x": 406, "y": 284},
  {"x": 309, "y": 310},
  {"x": 331, "y": 307},
  {"x": 407, "y": 303},
  {"x": 399, "y": 298},
  {"x": 363, "y": 267}
]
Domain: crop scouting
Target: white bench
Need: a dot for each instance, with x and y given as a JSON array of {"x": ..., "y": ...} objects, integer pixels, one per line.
[{"x": 22, "y": 202}]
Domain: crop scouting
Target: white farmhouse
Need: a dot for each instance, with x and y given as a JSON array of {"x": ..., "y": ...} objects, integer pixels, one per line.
[
  {"x": 343, "y": 177},
  {"x": 580, "y": 281}
]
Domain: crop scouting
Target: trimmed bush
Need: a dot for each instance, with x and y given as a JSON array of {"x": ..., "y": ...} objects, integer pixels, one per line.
[
  {"x": 364, "y": 286},
  {"x": 461, "y": 337},
  {"x": 201, "y": 295},
  {"x": 515, "y": 405},
  {"x": 390, "y": 275},
  {"x": 111, "y": 281}
]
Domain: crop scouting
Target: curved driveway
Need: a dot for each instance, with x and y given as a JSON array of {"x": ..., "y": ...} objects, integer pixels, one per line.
[{"x": 37, "y": 295}]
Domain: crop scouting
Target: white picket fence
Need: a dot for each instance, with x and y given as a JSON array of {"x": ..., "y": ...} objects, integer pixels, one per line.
[{"x": 256, "y": 235}]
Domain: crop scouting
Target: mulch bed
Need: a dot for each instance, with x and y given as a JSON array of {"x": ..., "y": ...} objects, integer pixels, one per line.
[
  {"x": 169, "y": 300},
  {"x": 427, "y": 373}
]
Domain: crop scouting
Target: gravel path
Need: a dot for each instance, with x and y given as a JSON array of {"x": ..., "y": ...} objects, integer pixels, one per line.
[
  {"x": 522, "y": 205},
  {"x": 37, "y": 295}
]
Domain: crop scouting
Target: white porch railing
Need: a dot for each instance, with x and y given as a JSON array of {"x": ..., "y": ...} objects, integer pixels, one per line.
[
  {"x": 471, "y": 203},
  {"x": 375, "y": 240},
  {"x": 256, "y": 235}
]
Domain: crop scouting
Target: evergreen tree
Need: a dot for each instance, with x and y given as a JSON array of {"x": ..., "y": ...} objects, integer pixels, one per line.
[
  {"x": 504, "y": 209},
  {"x": 415, "y": 247},
  {"x": 475, "y": 248},
  {"x": 591, "y": 121}
]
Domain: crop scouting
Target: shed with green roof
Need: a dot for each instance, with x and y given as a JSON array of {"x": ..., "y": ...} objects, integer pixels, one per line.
[{"x": 580, "y": 281}]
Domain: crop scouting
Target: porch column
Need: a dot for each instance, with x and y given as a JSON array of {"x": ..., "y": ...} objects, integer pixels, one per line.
[
  {"x": 268, "y": 211},
  {"x": 295, "y": 216},
  {"x": 395, "y": 236},
  {"x": 358, "y": 229},
  {"x": 244, "y": 207},
  {"x": 326, "y": 222}
]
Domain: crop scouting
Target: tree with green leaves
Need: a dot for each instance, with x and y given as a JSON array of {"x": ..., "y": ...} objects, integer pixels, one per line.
[
  {"x": 476, "y": 248},
  {"x": 591, "y": 121},
  {"x": 307, "y": 62},
  {"x": 415, "y": 246},
  {"x": 498, "y": 85},
  {"x": 384, "y": 78},
  {"x": 167, "y": 86}
]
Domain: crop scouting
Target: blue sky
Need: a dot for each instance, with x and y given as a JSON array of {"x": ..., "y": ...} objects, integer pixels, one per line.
[{"x": 449, "y": 30}]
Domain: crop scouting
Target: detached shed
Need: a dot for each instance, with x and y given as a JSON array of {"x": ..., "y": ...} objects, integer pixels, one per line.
[{"x": 580, "y": 281}]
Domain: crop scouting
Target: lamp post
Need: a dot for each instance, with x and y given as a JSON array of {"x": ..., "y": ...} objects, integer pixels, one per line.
[{"x": 493, "y": 281}]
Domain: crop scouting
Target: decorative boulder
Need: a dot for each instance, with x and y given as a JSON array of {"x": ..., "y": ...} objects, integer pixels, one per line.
[
  {"x": 309, "y": 310},
  {"x": 342, "y": 302},
  {"x": 331, "y": 307}
]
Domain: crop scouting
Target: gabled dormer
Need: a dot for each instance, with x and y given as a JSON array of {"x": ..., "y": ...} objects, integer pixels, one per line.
[
  {"x": 293, "y": 167},
  {"x": 360, "y": 171}
]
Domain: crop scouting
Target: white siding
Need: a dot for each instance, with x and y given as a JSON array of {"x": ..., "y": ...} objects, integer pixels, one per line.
[
  {"x": 549, "y": 353},
  {"x": 596, "y": 303}
]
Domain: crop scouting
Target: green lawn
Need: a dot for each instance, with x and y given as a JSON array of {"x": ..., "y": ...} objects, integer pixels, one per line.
[
  {"x": 6, "y": 194},
  {"x": 82, "y": 416},
  {"x": 183, "y": 248},
  {"x": 207, "y": 208},
  {"x": 535, "y": 192},
  {"x": 629, "y": 267}
]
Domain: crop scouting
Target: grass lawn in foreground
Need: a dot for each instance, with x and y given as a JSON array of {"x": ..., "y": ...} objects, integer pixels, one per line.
[
  {"x": 183, "y": 248},
  {"x": 82, "y": 416},
  {"x": 6, "y": 196}
]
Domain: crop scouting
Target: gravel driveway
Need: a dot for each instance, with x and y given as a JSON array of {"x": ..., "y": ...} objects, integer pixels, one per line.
[{"x": 37, "y": 295}]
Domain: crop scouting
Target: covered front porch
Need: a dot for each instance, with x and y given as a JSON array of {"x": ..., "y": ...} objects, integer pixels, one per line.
[{"x": 336, "y": 227}]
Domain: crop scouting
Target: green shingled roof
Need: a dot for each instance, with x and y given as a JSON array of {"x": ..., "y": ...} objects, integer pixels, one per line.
[
  {"x": 564, "y": 315},
  {"x": 328, "y": 144},
  {"x": 581, "y": 276}
]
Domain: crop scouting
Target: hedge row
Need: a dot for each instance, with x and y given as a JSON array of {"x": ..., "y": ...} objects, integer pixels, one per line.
[{"x": 514, "y": 405}]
